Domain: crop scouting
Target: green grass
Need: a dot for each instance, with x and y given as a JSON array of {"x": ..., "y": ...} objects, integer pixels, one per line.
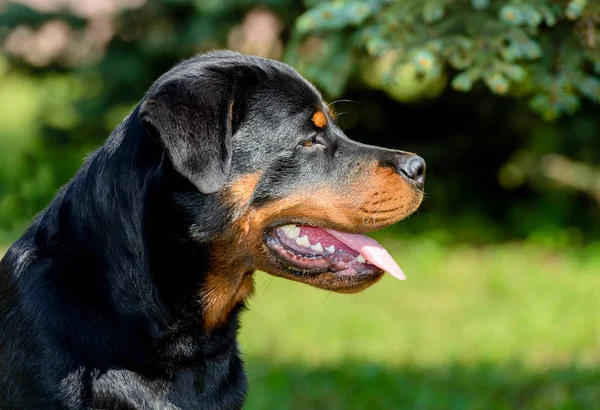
[{"x": 502, "y": 327}]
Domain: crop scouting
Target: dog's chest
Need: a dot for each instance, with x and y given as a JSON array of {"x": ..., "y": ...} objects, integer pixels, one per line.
[{"x": 216, "y": 385}]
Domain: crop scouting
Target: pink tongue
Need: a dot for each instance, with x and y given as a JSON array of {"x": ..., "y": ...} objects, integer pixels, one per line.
[{"x": 373, "y": 252}]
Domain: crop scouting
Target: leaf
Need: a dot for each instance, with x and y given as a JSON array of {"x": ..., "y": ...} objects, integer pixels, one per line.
[
  {"x": 433, "y": 11},
  {"x": 515, "y": 72},
  {"x": 462, "y": 82},
  {"x": 327, "y": 61},
  {"x": 548, "y": 15},
  {"x": 336, "y": 15},
  {"x": 575, "y": 9},
  {"x": 480, "y": 4},
  {"x": 512, "y": 14},
  {"x": 496, "y": 82},
  {"x": 590, "y": 88}
]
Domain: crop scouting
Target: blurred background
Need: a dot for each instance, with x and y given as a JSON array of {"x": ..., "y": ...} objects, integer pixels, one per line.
[{"x": 500, "y": 309}]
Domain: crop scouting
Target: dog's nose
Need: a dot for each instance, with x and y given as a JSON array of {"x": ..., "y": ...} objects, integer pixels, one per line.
[{"x": 413, "y": 168}]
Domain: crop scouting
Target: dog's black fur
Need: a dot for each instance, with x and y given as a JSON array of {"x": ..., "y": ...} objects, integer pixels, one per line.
[{"x": 101, "y": 300}]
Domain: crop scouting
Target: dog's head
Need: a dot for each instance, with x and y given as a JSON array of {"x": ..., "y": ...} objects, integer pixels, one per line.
[{"x": 298, "y": 193}]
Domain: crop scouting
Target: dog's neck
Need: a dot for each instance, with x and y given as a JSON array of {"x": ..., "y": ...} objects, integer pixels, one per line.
[{"x": 129, "y": 215}]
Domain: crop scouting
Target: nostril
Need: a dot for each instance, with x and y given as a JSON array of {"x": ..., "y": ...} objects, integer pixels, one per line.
[
  {"x": 419, "y": 168},
  {"x": 413, "y": 168}
]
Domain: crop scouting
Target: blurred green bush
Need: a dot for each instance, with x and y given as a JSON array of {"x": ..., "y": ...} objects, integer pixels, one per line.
[
  {"x": 469, "y": 85},
  {"x": 540, "y": 49}
]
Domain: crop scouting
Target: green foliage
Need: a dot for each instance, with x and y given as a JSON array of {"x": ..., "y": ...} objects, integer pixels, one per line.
[
  {"x": 538, "y": 48},
  {"x": 336, "y": 15},
  {"x": 329, "y": 59},
  {"x": 32, "y": 167}
]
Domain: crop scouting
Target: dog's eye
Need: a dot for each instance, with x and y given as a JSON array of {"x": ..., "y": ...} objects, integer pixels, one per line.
[
  {"x": 316, "y": 140},
  {"x": 312, "y": 141},
  {"x": 309, "y": 142}
]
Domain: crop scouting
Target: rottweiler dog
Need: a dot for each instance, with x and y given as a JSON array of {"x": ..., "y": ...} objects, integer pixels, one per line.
[{"x": 126, "y": 291}]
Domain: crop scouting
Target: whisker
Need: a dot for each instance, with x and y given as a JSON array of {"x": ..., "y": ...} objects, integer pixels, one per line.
[{"x": 338, "y": 101}]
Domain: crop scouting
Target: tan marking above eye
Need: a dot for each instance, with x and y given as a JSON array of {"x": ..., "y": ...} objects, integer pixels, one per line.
[{"x": 319, "y": 119}]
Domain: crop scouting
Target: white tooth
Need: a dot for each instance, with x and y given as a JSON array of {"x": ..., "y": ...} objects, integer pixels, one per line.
[
  {"x": 330, "y": 249},
  {"x": 318, "y": 247},
  {"x": 286, "y": 228},
  {"x": 303, "y": 241},
  {"x": 295, "y": 232},
  {"x": 291, "y": 231},
  {"x": 361, "y": 259}
]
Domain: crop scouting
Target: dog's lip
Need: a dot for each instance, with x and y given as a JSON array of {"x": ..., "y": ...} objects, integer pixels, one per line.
[
  {"x": 319, "y": 224},
  {"x": 300, "y": 241},
  {"x": 342, "y": 262}
]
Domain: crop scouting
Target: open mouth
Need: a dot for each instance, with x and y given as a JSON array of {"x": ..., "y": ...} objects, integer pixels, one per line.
[{"x": 312, "y": 249}]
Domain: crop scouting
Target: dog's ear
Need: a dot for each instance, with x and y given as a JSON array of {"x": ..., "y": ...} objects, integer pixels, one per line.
[{"x": 192, "y": 117}]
